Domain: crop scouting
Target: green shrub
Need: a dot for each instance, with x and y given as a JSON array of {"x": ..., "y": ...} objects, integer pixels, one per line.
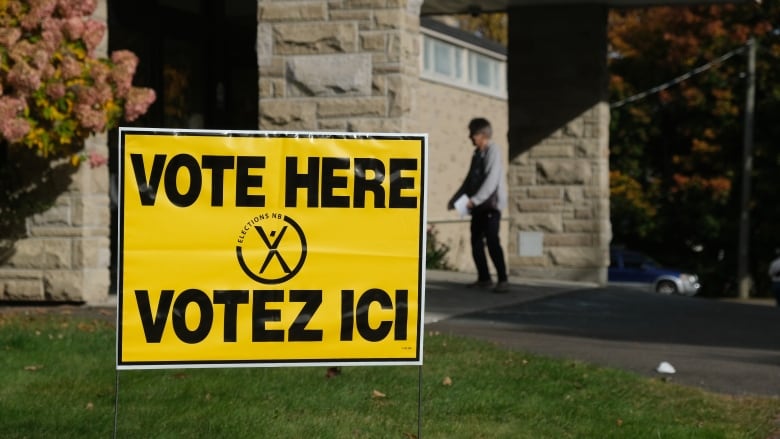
[{"x": 436, "y": 251}]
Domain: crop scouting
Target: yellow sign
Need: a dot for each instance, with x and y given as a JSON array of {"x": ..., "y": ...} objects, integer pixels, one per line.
[{"x": 269, "y": 249}]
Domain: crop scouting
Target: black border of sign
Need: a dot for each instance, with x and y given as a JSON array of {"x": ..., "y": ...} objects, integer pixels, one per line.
[{"x": 416, "y": 361}]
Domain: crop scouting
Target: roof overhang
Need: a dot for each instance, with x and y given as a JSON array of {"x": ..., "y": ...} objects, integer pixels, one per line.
[{"x": 441, "y": 7}]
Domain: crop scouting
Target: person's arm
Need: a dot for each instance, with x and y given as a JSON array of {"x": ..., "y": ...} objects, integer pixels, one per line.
[
  {"x": 461, "y": 190},
  {"x": 493, "y": 170},
  {"x": 774, "y": 268}
]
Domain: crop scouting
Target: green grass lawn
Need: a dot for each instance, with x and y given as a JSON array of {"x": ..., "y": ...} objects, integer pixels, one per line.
[{"x": 57, "y": 380}]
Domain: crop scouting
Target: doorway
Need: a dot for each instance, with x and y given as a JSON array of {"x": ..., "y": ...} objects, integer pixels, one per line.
[{"x": 199, "y": 57}]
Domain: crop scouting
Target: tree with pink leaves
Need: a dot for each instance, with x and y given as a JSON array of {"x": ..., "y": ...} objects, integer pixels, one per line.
[
  {"x": 54, "y": 91},
  {"x": 54, "y": 94}
]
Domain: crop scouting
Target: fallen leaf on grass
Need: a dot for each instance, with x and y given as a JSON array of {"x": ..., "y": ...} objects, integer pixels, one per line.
[
  {"x": 376, "y": 394},
  {"x": 33, "y": 367},
  {"x": 447, "y": 381},
  {"x": 332, "y": 372},
  {"x": 86, "y": 327},
  {"x": 619, "y": 422}
]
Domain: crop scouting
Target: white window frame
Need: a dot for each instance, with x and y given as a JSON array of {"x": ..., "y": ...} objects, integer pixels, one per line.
[{"x": 463, "y": 68}]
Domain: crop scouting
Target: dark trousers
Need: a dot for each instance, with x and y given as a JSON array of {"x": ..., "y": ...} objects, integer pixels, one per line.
[
  {"x": 484, "y": 230},
  {"x": 776, "y": 292}
]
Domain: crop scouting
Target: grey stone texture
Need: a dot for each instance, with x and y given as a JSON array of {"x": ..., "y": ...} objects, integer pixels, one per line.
[
  {"x": 337, "y": 65},
  {"x": 327, "y": 75},
  {"x": 559, "y": 126},
  {"x": 66, "y": 253}
]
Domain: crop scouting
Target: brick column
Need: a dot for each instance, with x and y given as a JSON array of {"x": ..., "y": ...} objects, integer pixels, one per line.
[
  {"x": 559, "y": 132},
  {"x": 64, "y": 256},
  {"x": 349, "y": 65}
]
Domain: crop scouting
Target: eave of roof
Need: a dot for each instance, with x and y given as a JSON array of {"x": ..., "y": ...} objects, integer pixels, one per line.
[{"x": 462, "y": 35}]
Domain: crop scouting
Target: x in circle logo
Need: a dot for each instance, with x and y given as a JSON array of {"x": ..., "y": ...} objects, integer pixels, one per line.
[
  {"x": 275, "y": 252},
  {"x": 273, "y": 248}
]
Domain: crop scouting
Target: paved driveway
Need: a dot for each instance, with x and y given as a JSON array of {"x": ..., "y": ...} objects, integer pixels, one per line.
[{"x": 722, "y": 346}]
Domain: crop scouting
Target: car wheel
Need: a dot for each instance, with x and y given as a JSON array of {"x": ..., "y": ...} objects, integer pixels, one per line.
[{"x": 666, "y": 287}]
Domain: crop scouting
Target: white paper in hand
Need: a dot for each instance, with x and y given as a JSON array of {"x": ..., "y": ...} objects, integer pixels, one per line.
[{"x": 461, "y": 205}]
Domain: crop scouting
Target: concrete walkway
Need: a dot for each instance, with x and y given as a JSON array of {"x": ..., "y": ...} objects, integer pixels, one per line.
[{"x": 447, "y": 295}]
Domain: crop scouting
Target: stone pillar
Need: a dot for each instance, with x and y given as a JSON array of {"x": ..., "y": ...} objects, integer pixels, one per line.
[
  {"x": 337, "y": 65},
  {"x": 559, "y": 131},
  {"x": 65, "y": 254}
]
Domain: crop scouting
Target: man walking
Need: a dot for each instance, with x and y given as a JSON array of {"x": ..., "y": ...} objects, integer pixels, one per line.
[
  {"x": 485, "y": 187},
  {"x": 774, "y": 276}
]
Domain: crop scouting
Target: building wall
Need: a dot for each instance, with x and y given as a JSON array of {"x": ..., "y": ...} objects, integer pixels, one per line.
[
  {"x": 353, "y": 65},
  {"x": 349, "y": 66},
  {"x": 559, "y": 156},
  {"x": 443, "y": 112}
]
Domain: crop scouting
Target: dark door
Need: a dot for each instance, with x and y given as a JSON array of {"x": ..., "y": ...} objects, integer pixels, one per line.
[{"x": 198, "y": 56}]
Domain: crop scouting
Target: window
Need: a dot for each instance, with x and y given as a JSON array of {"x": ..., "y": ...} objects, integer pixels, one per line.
[
  {"x": 484, "y": 70},
  {"x": 443, "y": 59},
  {"x": 446, "y": 60},
  {"x": 632, "y": 260}
]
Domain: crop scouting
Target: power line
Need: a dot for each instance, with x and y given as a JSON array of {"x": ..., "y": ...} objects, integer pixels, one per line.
[{"x": 704, "y": 67}]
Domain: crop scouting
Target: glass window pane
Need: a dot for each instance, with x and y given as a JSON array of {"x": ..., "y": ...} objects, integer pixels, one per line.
[
  {"x": 427, "y": 51},
  {"x": 458, "y": 63},
  {"x": 484, "y": 71},
  {"x": 442, "y": 58},
  {"x": 499, "y": 72}
]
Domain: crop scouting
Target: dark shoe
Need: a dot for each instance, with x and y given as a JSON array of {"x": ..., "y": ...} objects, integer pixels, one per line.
[
  {"x": 501, "y": 287},
  {"x": 480, "y": 284}
]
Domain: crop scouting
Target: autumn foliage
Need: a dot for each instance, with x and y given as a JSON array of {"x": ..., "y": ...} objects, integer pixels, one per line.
[
  {"x": 676, "y": 155},
  {"x": 54, "y": 92},
  {"x": 492, "y": 26}
]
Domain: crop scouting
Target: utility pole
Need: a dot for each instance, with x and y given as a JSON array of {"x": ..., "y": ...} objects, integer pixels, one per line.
[{"x": 743, "y": 274}]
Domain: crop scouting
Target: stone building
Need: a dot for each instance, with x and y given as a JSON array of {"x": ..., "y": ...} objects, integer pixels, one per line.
[{"x": 356, "y": 65}]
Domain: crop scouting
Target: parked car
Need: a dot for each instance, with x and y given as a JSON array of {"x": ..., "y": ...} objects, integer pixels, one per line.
[{"x": 632, "y": 268}]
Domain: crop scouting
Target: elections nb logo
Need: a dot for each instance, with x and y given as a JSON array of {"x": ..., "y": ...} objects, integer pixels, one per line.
[{"x": 271, "y": 248}]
